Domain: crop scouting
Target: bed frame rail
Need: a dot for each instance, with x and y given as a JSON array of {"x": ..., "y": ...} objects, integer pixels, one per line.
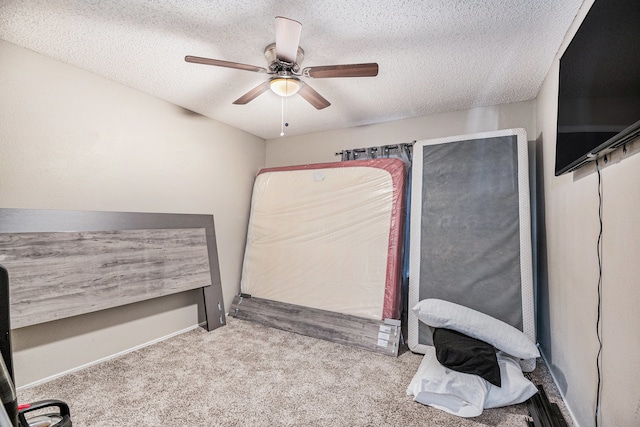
[{"x": 373, "y": 335}]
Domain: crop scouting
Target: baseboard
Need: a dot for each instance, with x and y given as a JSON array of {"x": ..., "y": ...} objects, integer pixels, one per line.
[
  {"x": 113, "y": 356},
  {"x": 555, "y": 381}
]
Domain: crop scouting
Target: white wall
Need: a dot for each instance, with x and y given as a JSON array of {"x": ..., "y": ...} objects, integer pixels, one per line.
[
  {"x": 570, "y": 301},
  {"x": 72, "y": 140},
  {"x": 568, "y": 296},
  {"x": 322, "y": 146}
]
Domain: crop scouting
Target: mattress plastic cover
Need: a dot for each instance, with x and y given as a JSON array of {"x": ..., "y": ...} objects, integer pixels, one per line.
[
  {"x": 328, "y": 236},
  {"x": 470, "y": 228}
]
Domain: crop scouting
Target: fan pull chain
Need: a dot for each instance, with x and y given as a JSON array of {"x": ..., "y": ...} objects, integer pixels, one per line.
[
  {"x": 283, "y": 123},
  {"x": 282, "y": 117}
]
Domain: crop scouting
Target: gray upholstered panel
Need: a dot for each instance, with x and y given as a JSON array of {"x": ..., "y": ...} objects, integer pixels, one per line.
[{"x": 470, "y": 231}]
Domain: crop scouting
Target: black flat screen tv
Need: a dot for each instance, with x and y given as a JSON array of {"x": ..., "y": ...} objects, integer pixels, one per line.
[{"x": 599, "y": 86}]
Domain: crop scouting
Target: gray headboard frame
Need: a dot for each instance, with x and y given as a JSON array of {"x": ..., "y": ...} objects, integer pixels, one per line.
[{"x": 14, "y": 221}]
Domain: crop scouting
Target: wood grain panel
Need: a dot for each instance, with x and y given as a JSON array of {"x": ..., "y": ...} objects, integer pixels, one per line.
[
  {"x": 62, "y": 274},
  {"x": 369, "y": 334}
]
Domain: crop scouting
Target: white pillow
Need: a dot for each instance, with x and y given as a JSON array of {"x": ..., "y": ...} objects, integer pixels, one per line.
[
  {"x": 515, "y": 387},
  {"x": 454, "y": 392},
  {"x": 444, "y": 314}
]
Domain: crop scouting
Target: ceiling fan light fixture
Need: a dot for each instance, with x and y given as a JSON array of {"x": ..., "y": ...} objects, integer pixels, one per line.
[{"x": 285, "y": 86}]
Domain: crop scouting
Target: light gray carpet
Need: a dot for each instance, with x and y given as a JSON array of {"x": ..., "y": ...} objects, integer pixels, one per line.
[{"x": 245, "y": 374}]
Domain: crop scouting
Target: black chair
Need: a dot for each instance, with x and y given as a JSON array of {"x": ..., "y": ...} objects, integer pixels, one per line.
[
  {"x": 5, "y": 325},
  {"x": 11, "y": 414},
  {"x": 16, "y": 416}
]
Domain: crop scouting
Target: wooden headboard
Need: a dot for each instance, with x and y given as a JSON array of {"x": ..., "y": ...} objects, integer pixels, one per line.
[{"x": 67, "y": 263}]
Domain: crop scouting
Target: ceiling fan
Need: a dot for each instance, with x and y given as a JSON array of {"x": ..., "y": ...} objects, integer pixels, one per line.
[{"x": 284, "y": 58}]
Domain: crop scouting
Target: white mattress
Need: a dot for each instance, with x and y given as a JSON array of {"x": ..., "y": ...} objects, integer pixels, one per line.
[{"x": 320, "y": 236}]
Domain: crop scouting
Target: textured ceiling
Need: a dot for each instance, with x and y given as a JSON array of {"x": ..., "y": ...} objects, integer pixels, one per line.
[{"x": 434, "y": 55}]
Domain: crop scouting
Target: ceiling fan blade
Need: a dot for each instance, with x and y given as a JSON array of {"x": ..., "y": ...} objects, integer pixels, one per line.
[
  {"x": 348, "y": 70},
  {"x": 313, "y": 97},
  {"x": 227, "y": 64},
  {"x": 252, "y": 94},
  {"x": 287, "y": 39}
]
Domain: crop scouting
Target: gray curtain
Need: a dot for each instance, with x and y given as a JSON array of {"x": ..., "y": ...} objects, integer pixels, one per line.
[{"x": 400, "y": 151}]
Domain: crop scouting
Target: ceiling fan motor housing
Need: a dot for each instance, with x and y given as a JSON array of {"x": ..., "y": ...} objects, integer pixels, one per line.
[{"x": 276, "y": 65}]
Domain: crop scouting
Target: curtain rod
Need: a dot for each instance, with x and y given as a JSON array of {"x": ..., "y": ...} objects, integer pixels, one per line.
[{"x": 362, "y": 150}]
